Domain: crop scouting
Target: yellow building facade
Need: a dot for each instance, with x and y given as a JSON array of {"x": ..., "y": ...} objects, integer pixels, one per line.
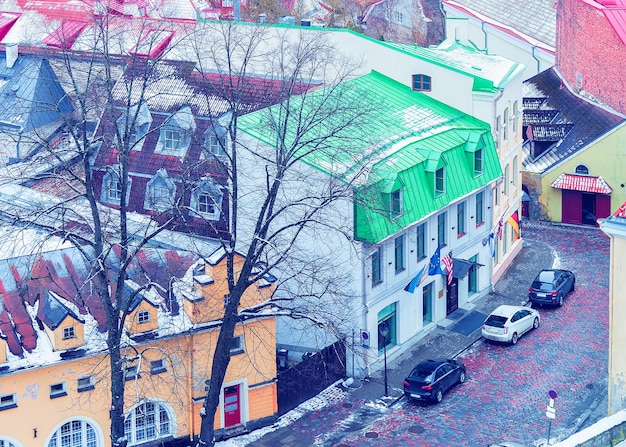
[{"x": 62, "y": 398}]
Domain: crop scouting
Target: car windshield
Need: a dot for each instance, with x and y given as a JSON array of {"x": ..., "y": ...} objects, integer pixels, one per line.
[
  {"x": 543, "y": 286},
  {"x": 495, "y": 320}
]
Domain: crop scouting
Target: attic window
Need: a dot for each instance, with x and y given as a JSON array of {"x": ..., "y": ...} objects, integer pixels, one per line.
[
  {"x": 143, "y": 317},
  {"x": 131, "y": 372},
  {"x": 422, "y": 83},
  {"x": 171, "y": 139},
  {"x": 8, "y": 401},
  {"x": 478, "y": 162},
  {"x": 57, "y": 390},
  {"x": 582, "y": 169},
  {"x": 85, "y": 384},
  {"x": 395, "y": 203},
  {"x": 157, "y": 366},
  {"x": 69, "y": 332},
  {"x": 236, "y": 345},
  {"x": 440, "y": 181}
]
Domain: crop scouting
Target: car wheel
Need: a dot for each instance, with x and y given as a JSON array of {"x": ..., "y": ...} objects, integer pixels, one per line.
[
  {"x": 560, "y": 303},
  {"x": 514, "y": 338},
  {"x": 462, "y": 377},
  {"x": 536, "y": 323},
  {"x": 439, "y": 395}
]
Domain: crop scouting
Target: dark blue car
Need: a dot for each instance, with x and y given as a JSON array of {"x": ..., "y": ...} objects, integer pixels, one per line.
[
  {"x": 430, "y": 379},
  {"x": 550, "y": 287}
]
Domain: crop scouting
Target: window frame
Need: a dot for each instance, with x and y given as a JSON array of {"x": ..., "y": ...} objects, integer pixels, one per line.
[
  {"x": 69, "y": 332},
  {"x": 8, "y": 401},
  {"x": 421, "y": 83},
  {"x": 240, "y": 345},
  {"x": 131, "y": 373},
  {"x": 479, "y": 162},
  {"x": 172, "y": 139},
  {"x": 143, "y": 316},
  {"x": 90, "y": 385},
  {"x": 158, "y": 366},
  {"x": 440, "y": 182},
  {"x": 460, "y": 219},
  {"x": 58, "y": 389},
  {"x": 441, "y": 230},
  {"x": 399, "y": 262},
  {"x": 151, "y": 422},
  {"x": 480, "y": 208},
  {"x": 376, "y": 264},
  {"x": 114, "y": 189},
  {"x": 395, "y": 203},
  {"x": 420, "y": 241}
]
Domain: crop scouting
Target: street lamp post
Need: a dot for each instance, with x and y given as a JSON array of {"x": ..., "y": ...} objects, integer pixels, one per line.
[{"x": 384, "y": 331}]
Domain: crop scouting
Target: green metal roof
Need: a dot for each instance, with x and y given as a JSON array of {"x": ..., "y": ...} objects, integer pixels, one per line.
[{"x": 401, "y": 145}]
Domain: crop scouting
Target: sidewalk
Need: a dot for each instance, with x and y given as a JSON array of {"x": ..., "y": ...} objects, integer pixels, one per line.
[{"x": 451, "y": 337}]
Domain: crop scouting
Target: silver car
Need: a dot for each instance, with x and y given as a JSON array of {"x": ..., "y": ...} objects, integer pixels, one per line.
[{"x": 508, "y": 323}]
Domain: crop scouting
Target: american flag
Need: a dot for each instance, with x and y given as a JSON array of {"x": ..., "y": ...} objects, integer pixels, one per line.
[
  {"x": 447, "y": 262},
  {"x": 499, "y": 230}
]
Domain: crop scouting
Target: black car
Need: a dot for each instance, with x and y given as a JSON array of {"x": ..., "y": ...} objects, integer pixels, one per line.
[
  {"x": 550, "y": 287},
  {"x": 430, "y": 379}
]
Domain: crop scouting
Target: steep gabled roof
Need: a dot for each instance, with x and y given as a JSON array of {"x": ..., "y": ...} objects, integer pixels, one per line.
[{"x": 558, "y": 116}]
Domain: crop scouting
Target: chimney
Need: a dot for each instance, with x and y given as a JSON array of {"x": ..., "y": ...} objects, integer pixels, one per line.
[{"x": 11, "y": 54}]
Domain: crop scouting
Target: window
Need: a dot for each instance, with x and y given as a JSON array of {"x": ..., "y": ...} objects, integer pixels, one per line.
[
  {"x": 69, "y": 332},
  {"x": 114, "y": 189},
  {"x": 215, "y": 145},
  {"x": 143, "y": 316},
  {"x": 236, "y": 345},
  {"x": 226, "y": 299},
  {"x": 582, "y": 169},
  {"x": 460, "y": 219},
  {"x": 399, "y": 253},
  {"x": 478, "y": 162},
  {"x": 515, "y": 118},
  {"x": 131, "y": 372},
  {"x": 157, "y": 366},
  {"x": 85, "y": 383},
  {"x": 440, "y": 182},
  {"x": 479, "y": 209},
  {"x": 422, "y": 83},
  {"x": 498, "y": 131},
  {"x": 420, "y": 242},
  {"x": 8, "y": 401},
  {"x": 441, "y": 229},
  {"x": 6, "y": 443},
  {"x": 57, "y": 390},
  {"x": 171, "y": 139},
  {"x": 507, "y": 180},
  {"x": 515, "y": 173},
  {"x": 387, "y": 320},
  {"x": 472, "y": 275},
  {"x": 160, "y": 192},
  {"x": 505, "y": 124},
  {"x": 376, "y": 268},
  {"x": 395, "y": 203},
  {"x": 206, "y": 199},
  {"x": 205, "y": 204},
  {"x": 398, "y": 17},
  {"x": 147, "y": 421},
  {"x": 74, "y": 434}
]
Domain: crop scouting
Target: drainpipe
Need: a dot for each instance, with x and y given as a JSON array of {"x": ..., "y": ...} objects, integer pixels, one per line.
[
  {"x": 482, "y": 27},
  {"x": 536, "y": 58},
  {"x": 495, "y": 106}
]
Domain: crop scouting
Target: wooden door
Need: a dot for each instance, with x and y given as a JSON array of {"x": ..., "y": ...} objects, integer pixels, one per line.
[{"x": 232, "y": 406}]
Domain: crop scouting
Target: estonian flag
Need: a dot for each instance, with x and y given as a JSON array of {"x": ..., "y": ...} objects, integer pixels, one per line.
[{"x": 410, "y": 287}]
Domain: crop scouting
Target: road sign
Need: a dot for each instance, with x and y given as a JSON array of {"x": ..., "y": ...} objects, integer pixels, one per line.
[
  {"x": 550, "y": 412},
  {"x": 552, "y": 394}
]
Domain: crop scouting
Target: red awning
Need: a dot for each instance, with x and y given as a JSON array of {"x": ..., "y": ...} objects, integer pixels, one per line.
[{"x": 583, "y": 183}]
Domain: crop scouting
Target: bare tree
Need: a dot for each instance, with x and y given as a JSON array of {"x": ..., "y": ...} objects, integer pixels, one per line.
[{"x": 273, "y": 201}]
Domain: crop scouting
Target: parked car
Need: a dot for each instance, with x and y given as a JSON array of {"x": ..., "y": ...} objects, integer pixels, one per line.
[
  {"x": 550, "y": 287},
  {"x": 432, "y": 378},
  {"x": 507, "y": 444},
  {"x": 508, "y": 323}
]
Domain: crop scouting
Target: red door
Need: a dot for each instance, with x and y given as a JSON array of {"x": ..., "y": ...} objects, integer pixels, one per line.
[
  {"x": 571, "y": 207},
  {"x": 232, "y": 406}
]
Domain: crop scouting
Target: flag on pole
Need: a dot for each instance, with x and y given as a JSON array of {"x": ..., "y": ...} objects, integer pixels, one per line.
[
  {"x": 410, "y": 287},
  {"x": 499, "y": 229},
  {"x": 434, "y": 267},
  {"x": 492, "y": 245},
  {"x": 448, "y": 263},
  {"x": 514, "y": 222}
]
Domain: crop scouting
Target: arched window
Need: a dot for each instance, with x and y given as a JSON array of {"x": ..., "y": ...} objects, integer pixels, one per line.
[
  {"x": 5, "y": 442},
  {"x": 148, "y": 421},
  {"x": 76, "y": 433},
  {"x": 582, "y": 169}
]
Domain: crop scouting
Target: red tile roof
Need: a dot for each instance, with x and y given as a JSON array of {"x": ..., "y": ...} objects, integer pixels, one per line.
[
  {"x": 583, "y": 183},
  {"x": 621, "y": 211}
]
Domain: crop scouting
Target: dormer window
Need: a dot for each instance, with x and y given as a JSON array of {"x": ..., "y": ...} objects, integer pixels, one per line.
[
  {"x": 69, "y": 332},
  {"x": 440, "y": 181},
  {"x": 176, "y": 133},
  {"x": 136, "y": 124},
  {"x": 160, "y": 192},
  {"x": 478, "y": 162},
  {"x": 215, "y": 141},
  {"x": 112, "y": 187},
  {"x": 395, "y": 203},
  {"x": 143, "y": 316},
  {"x": 206, "y": 200},
  {"x": 422, "y": 83}
]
